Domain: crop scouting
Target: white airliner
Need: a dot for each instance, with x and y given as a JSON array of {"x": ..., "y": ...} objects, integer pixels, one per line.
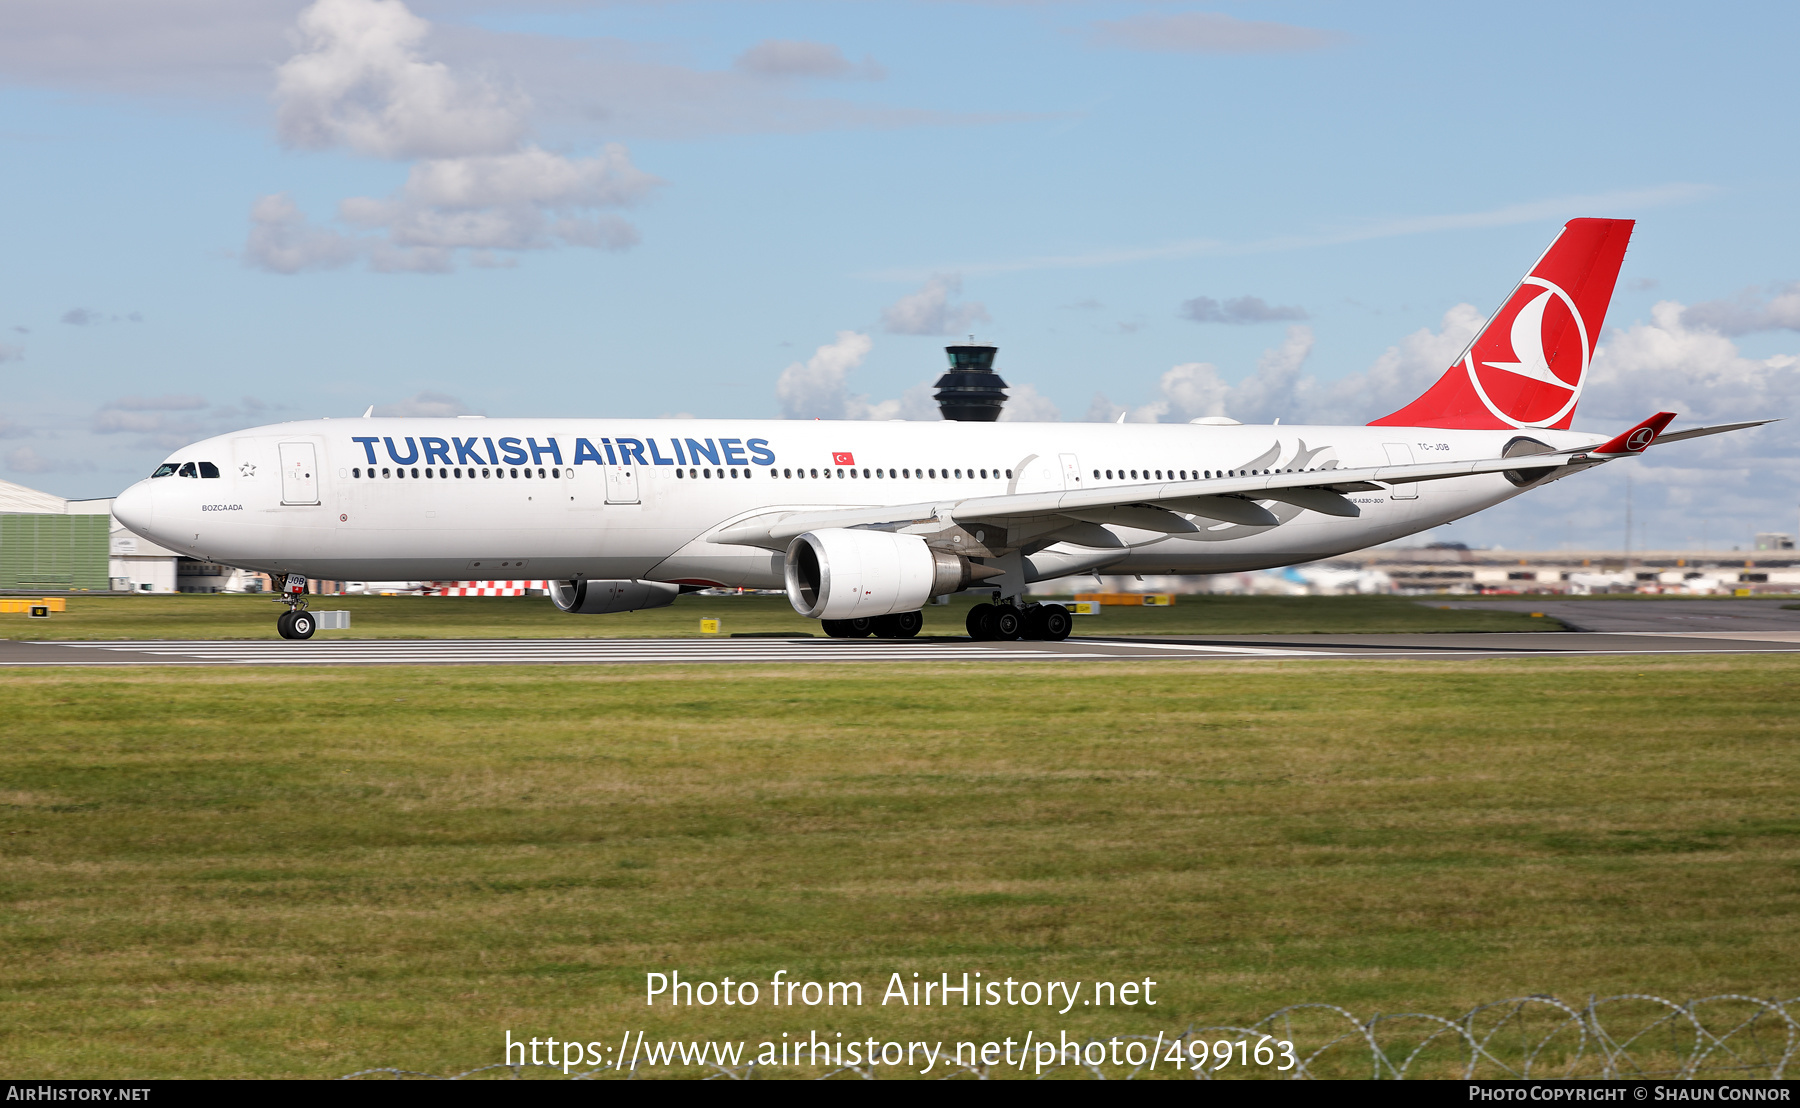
[{"x": 862, "y": 523}]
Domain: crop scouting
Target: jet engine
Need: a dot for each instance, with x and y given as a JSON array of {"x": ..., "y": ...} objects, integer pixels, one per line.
[
  {"x": 595, "y": 598},
  {"x": 839, "y": 573}
]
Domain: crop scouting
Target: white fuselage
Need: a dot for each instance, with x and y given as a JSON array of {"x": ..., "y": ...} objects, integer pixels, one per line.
[{"x": 439, "y": 499}]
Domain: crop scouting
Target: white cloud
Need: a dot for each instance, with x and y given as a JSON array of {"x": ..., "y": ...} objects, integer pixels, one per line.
[
  {"x": 160, "y": 422},
  {"x": 1025, "y": 404},
  {"x": 915, "y": 403},
  {"x": 168, "y": 402},
  {"x": 432, "y": 404},
  {"x": 361, "y": 83},
  {"x": 929, "y": 311},
  {"x": 1242, "y": 309},
  {"x": 1210, "y": 33},
  {"x": 282, "y": 241},
  {"x": 223, "y": 51},
  {"x": 1194, "y": 390},
  {"x": 1669, "y": 365},
  {"x": 1279, "y": 389},
  {"x": 84, "y": 317},
  {"x": 1711, "y": 493},
  {"x": 1402, "y": 372},
  {"x": 26, "y": 460},
  {"x": 799, "y": 58},
  {"x": 818, "y": 387},
  {"x": 815, "y": 389},
  {"x": 1535, "y": 211},
  {"x": 1749, "y": 311},
  {"x": 358, "y": 82}
]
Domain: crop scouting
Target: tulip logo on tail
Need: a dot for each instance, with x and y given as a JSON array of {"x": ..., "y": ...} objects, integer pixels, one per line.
[
  {"x": 1547, "y": 345},
  {"x": 1527, "y": 367}
]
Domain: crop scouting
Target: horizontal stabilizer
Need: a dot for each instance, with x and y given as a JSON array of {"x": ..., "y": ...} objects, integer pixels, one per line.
[{"x": 1702, "y": 432}]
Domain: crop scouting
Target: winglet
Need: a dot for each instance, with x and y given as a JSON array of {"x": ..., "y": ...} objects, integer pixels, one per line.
[{"x": 1636, "y": 440}]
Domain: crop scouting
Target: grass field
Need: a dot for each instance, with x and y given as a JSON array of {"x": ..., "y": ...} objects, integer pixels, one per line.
[
  {"x": 221, "y": 616},
  {"x": 261, "y": 873}
]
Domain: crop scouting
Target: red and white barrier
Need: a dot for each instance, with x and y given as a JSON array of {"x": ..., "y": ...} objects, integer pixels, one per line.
[{"x": 483, "y": 588}]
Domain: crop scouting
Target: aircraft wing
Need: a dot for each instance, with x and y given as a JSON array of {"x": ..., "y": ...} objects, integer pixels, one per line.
[
  {"x": 1146, "y": 506},
  {"x": 1153, "y": 506}
]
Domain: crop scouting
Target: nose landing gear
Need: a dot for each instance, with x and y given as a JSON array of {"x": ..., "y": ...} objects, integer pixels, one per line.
[{"x": 296, "y": 622}]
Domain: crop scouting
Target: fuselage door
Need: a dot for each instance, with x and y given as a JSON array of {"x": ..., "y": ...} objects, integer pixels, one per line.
[
  {"x": 299, "y": 473},
  {"x": 1400, "y": 454},
  {"x": 621, "y": 484},
  {"x": 1071, "y": 471}
]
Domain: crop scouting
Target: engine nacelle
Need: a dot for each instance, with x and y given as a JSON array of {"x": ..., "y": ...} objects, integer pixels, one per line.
[
  {"x": 839, "y": 573},
  {"x": 597, "y": 598}
]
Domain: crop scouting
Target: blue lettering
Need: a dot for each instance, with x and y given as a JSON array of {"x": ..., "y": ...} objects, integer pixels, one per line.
[
  {"x": 368, "y": 445},
  {"x": 696, "y": 452},
  {"x": 437, "y": 451},
  {"x": 631, "y": 451},
  {"x": 585, "y": 452},
  {"x": 465, "y": 452},
  {"x": 680, "y": 458},
  {"x": 611, "y": 458},
  {"x": 493, "y": 458},
  {"x": 760, "y": 452},
  {"x": 511, "y": 452},
  {"x": 412, "y": 452},
  {"x": 734, "y": 454},
  {"x": 538, "y": 452},
  {"x": 657, "y": 457}
]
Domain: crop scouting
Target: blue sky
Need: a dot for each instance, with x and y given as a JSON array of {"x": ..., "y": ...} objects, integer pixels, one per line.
[{"x": 221, "y": 213}]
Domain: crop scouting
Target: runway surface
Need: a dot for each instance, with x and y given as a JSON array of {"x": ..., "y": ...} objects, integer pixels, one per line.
[
  {"x": 1723, "y": 615},
  {"x": 815, "y": 651}
]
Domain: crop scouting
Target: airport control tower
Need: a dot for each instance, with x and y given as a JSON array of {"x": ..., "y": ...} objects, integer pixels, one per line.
[{"x": 971, "y": 392}]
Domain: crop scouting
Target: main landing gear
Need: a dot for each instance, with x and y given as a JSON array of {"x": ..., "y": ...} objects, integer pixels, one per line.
[
  {"x": 1008, "y": 622},
  {"x": 296, "y": 622},
  {"x": 900, "y": 625}
]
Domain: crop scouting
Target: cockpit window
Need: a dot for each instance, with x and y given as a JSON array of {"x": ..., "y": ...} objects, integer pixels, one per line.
[
  {"x": 164, "y": 470},
  {"x": 186, "y": 470},
  {"x": 207, "y": 469}
]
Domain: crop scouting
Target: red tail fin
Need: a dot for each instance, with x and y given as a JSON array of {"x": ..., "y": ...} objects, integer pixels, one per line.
[{"x": 1528, "y": 365}]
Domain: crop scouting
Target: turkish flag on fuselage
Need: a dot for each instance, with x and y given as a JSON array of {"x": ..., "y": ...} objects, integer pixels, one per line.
[{"x": 843, "y": 458}]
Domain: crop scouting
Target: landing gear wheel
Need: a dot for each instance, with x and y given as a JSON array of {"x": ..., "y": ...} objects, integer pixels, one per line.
[
  {"x": 981, "y": 622},
  {"x": 1053, "y": 623},
  {"x": 1032, "y": 623},
  {"x": 1009, "y": 623},
  {"x": 297, "y": 625},
  {"x": 847, "y": 628},
  {"x": 900, "y": 625}
]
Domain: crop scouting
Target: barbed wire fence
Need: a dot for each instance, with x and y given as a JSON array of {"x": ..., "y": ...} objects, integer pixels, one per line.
[{"x": 1629, "y": 1036}]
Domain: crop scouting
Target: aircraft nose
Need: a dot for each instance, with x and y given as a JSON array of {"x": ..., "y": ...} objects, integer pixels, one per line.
[{"x": 136, "y": 508}]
